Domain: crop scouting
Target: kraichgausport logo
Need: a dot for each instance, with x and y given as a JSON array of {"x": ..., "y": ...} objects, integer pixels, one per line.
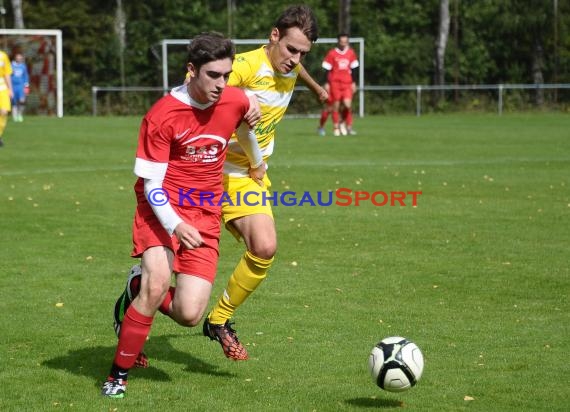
[{"x": 339, "y": 197}]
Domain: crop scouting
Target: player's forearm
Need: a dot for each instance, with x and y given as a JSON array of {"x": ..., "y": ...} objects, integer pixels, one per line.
[
  {"x": 8, "y": 81},
  {"x": 309, "y": 81},
  {"x": 321, "y": 93},
  {"x": 248, "y": 142},
  {"x": 164, "y": 212},
  {"x": 153, "y": 175}
]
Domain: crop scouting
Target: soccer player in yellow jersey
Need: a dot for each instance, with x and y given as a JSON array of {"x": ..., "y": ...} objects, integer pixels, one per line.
[
  {"x": 269, "y": 73},
  {"x": 5, "y": 92}
]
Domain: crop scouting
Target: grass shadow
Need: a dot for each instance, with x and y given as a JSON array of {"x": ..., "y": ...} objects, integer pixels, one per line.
[
  {"x": 373, "y": 402},
  {"x": 94, "y": 362}
]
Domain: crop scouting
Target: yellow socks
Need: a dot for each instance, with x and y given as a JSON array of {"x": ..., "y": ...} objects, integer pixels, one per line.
[
  {"x": 3, "y": 121},
  {"x": 247, "y": 276}
]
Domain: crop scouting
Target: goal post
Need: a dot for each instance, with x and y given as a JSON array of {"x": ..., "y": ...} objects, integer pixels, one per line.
[
  {"x": 316, "y": 57},
  {"x": 45, "y": 65}
]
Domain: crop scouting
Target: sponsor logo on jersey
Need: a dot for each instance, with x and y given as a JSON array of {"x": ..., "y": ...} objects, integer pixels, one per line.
[
  {"x": 262, "y": 128},
  {"x": 204, "y": 148}
]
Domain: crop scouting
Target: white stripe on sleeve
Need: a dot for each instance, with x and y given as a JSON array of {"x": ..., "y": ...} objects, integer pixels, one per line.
[{"x": 150, "y": 170}]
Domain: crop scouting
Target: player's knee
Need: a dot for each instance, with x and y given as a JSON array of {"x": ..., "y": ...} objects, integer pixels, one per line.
[
  {"x": 190, "y": 318},
  {"x": 265, "y": 250},
  {"x": 150, "y": 298},
  {"x": 153, "y": 291}
]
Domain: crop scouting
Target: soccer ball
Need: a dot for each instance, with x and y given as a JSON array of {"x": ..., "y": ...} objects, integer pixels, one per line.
[{"x": 396, "y": 364}]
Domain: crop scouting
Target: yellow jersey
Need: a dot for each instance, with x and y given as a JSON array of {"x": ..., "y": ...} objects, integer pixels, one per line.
[
  {"x": 252, "y": 71},
  {"x": 5, "y": 70}
]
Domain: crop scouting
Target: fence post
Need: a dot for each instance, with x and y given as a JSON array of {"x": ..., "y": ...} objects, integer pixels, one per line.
[
  {"x": 418, "y": 100},
  {"x": 500, "y": 99},
  {"x": 94, "y": 90}
]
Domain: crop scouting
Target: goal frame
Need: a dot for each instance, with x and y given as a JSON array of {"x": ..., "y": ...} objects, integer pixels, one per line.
[
  {"x": 59, "y": 57},
  {"x": 325, "y": 40}
]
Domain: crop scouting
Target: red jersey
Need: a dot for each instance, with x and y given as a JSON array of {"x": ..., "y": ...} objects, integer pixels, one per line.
[
  {"x": 193, "y": 139},
  {"x": 340, "y": 63}
]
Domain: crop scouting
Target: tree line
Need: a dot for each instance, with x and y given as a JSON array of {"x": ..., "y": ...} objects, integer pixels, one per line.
[{"x": 115, "y": 42}]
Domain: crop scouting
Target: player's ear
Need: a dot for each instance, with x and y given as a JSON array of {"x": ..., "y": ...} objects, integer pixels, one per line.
[
  {"x": 191, "y": 70},
  {"x": 274, "y": 35}
]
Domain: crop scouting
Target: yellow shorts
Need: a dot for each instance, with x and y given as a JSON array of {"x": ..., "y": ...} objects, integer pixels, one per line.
[
  {"x": 5, "y": 103},
  {"x": 247, "y": 198}
]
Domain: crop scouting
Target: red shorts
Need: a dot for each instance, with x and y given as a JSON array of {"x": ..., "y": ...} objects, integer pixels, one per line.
[
  {"x": 340, "y": 91},
  {"x": 201, "y": 262}
]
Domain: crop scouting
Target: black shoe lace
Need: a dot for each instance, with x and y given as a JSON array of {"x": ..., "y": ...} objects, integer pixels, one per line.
[{"x": 231, "y": 331}]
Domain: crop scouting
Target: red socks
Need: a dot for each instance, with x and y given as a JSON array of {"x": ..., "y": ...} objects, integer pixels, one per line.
[
  {"x": 165, "y": 305},
  {"x": 324, "y": 117},
  {"x": 134, "y": 331}
]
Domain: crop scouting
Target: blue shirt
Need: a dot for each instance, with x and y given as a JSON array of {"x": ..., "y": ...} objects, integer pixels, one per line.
[{"x": 20, "y": 76}]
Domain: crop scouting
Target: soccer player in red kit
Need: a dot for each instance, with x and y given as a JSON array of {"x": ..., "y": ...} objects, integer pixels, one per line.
[
  {"x": 339, "y": 62},
  {"x": 182, "y": 146}
]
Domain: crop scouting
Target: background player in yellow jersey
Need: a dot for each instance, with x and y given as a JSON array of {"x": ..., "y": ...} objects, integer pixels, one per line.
[
  {"x": 269, "y": 73},
  {"x": 5, "y": 92}
]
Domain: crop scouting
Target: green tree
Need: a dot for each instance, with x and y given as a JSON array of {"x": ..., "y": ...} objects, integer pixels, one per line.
[{"x": 498, "y": 41}]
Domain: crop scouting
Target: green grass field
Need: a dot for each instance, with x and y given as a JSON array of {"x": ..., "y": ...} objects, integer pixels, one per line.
[{"x": 477, "y": 274}]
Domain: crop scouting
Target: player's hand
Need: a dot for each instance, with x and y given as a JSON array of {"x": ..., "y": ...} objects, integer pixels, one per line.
[
  {"x": 254, "y": 113},
  {"x": 26, "y": 90},
  {"x": 353, "y": 87},
  {"x": 188, "y": 236},
  {"x": 258, "y": 174},
  {"x": 323, "y": 95}
]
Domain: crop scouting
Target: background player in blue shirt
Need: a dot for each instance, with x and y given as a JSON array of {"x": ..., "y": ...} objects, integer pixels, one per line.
[{"x": 21, "y": 86}]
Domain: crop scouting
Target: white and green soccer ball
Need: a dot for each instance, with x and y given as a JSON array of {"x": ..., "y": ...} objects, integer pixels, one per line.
[{"x": 396, "y": 364}]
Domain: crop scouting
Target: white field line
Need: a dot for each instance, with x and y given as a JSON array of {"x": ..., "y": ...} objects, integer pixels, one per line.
[
  {"x": 60, "y": 170},
  {"x": 384, "y": 163}
]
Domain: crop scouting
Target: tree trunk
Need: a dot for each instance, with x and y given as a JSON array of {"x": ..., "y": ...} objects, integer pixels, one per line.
[
  {"x": 120, "y": 31},
  {"x": 555, "y": 54},
  {"x": 231, "y": 6},
  {"x": 441, "y": 44},
  {"x": 456, "y": 45},
  {"x": 344, "y": 16},
  {"x": 18, "y": 15},
  {"x": 537, "y": 76}
]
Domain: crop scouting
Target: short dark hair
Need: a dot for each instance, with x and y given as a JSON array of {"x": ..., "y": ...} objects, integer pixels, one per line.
[
  {"x": 300, "y": 16},
  {"x": 210, "y": 46},
  {"x": 340, "y": 35}
]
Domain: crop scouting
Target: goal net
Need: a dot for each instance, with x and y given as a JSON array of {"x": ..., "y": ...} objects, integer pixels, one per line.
[
  {"x": 303, "y": 103},
  {"x": 42, "y": 50}
]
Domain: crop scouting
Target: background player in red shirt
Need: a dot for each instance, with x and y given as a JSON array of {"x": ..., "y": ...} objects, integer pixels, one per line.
[
  {"x": 339, "y": 62},
  {"x": 182, "y": 146}
]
